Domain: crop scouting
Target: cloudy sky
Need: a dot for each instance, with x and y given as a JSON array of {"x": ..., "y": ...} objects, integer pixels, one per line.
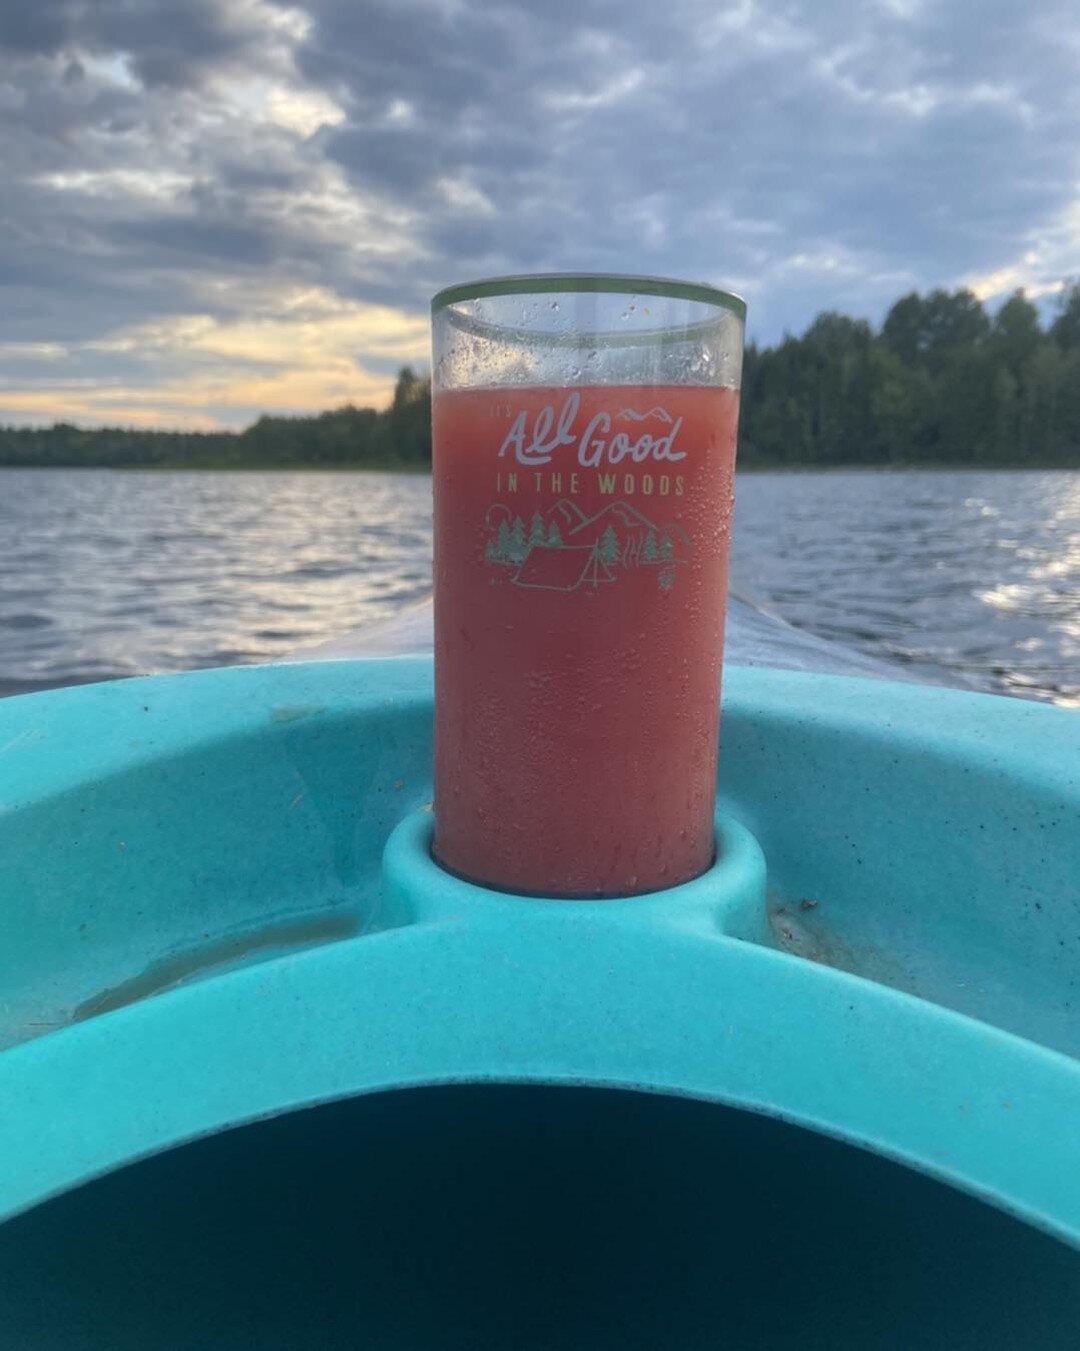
[{"x": 212, "y": 208}]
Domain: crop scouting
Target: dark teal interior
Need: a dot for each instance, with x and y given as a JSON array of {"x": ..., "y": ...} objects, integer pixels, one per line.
[{"x": 518, "y": 1218}]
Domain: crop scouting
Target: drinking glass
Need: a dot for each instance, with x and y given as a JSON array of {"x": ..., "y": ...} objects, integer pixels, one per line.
[{"x": 584, "y": 434}]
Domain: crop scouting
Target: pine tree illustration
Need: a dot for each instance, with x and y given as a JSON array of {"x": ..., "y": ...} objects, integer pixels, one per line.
[
  {"x": 649, "y": 553},
  {"x": 667, "y": 549},
  {"x": 502, "y": 544},
  {"x": 554, "y": 539},
  {"x": 609, "y": 547},
  {"x": 536, "y": 530},
  {"x": 518, "y": 550}
]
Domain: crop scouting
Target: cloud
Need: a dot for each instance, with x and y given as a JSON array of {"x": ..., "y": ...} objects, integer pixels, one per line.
[
  {"x": 169, "y": 42},
  {"x": 189, "y": 168},
  {"x": 314, "y": 350}
]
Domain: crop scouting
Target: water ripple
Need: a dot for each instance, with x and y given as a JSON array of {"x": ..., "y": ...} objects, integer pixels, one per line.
[
  {"x": 980, "y": 572},
  {"x": 970, "y": 578},
  {"x": 120, "y": 574}
]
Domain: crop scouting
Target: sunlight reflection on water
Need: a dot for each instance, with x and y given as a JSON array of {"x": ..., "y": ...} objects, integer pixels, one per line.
[
  {"x": 972, "y": 578},
  {"x": 969, "y": 578},
  {"x": 122, "y": 573}
]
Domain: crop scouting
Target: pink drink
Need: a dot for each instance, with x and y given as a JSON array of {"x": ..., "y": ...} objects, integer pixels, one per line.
[{"x": 581, "y": 542}]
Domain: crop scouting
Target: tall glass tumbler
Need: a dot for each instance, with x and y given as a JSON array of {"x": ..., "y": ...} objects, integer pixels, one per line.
[{"x": 584, "y": 450}]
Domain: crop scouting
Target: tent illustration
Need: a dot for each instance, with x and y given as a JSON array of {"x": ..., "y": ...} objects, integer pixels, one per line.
[{"x": 563, "y": 568}]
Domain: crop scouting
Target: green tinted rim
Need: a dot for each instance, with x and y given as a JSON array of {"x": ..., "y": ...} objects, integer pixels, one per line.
[{"x": 611, "y": 283}]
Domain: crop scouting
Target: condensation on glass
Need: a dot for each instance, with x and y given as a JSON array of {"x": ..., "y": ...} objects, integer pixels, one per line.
[{"x": 583, "y": 447}]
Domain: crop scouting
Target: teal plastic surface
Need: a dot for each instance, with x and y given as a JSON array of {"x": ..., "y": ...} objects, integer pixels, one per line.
[{"x": 217, "y": 906}]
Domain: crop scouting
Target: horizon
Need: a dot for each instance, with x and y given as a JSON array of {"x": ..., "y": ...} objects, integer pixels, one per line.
[{"x": 421, "y": 371}]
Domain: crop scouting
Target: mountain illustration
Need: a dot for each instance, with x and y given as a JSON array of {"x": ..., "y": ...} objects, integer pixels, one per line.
[
  {"x": 628, "y": 521},
  {"x": 661, "y": 415},
  {"x": 567, "y": 515},
  {"x": 562, "y": 549}
]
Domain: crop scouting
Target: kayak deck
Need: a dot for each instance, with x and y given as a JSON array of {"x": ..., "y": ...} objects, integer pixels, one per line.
[{"x": 218, "y": 908}]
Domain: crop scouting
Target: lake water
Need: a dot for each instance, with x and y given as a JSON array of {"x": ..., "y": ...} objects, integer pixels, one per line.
[{"x": 967, "y": 578}]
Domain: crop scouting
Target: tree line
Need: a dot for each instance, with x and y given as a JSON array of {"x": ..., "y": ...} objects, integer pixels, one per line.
[
  {"x": 398, "y": 437},
  {"x": 941, "y": 382}
]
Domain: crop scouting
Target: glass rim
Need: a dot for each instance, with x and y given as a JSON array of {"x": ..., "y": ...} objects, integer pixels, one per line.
[{"x": 611, "y": 283}]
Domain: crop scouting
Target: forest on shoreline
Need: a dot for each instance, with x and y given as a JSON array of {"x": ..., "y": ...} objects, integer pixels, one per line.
[{"x": 942, "y": 383}]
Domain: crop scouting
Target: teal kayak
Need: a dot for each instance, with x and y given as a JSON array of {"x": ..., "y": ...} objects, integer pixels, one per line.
[{"x": 270, "y": 1078}]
